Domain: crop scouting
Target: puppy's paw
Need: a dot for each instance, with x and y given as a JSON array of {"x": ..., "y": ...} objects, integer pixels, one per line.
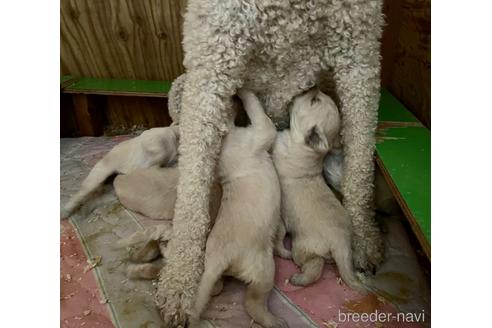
[
  {"x": 148, "y": 253},
  {"x": 298, "y": 279},
  {"x": 283, "y": 253},
  {"x": 147, "y": 271},
  {"x": 243, "y": 94}
]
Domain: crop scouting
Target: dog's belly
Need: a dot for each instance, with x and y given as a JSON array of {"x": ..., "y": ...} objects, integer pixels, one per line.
[{"x": 276, "y": 84}]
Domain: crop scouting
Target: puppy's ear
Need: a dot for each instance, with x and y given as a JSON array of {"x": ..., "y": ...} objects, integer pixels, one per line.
[
  {"x": 316, "y": 140},
  {"x": 337, "y": 142}
]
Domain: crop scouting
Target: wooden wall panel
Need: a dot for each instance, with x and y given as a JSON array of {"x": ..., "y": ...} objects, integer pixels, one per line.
[
  {"x": 127, "y": 113},
  {"x": 406, "y": 54},
  {"x": 141, "y": 39},
  {"x": 127, "y": 39}
]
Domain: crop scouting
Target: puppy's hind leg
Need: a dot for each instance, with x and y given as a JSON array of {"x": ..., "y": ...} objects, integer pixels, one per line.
[
  {"x": 211, "y": 275},
  {"x": 256, "y": 299},
  {"x": 280, "y": 249},
  {"x": 343, "y": 258},
  {"x": 219, "y": 285},
  {"x": 265, "y": 131},
  {"x": 311, "y": 271},
  {"x": 99, "y": 173}
]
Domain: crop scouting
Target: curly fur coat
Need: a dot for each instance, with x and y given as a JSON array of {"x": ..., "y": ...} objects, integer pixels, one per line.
[{"x": 278, "y": 48}]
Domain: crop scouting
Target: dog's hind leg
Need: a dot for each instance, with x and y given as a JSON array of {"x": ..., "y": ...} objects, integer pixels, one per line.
[
  {"x": 280, "y": 249},
  {"x": 99, "y": 173},
  {"x": 263, "y": 126},
  {"x": 256, "y": 299},
  {"x": 206, "y": 107},
  {"x": 343, "y": 258},
  {"x": 311, "y": 271},
  {"x": 210, "y": 278}
]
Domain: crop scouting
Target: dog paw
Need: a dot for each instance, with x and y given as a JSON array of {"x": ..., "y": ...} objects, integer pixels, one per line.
[
  {"x": 146, "y": 271},
  {"x": 171, "y": 304},
  {"x": 173, "y": 317},
  {"x": 284, "y": 253},
  {"x": 148, "y": 253},
  {"x": 298, "y": 279},
  {"x": 368, "y": 253}
]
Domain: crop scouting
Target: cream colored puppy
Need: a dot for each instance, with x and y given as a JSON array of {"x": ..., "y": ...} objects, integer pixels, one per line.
[
  {"x": 149, "y": 191},
  {"x": 154, "y": 147},
  {"x": 240, "y": 243},
  {"x": 318, "y": 223}
]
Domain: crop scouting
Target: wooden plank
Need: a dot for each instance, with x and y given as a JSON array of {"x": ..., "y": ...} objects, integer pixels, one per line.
[
  {"x": 125, "y": 114},
  {"x": 118, "y": 87},
  {"x": 393, "y": 13},
  {"x": 423, "y": 241},
  {"x": 66, "y": 80},
  {"x": 88, "y": 116},
  {"x": 68, "y": 121},
  {"x": 404, "y": 156},
  {"x": 407, "y": 66},
  {"x": 391, "y": 110},
  {"x": 122, "y": 39}
]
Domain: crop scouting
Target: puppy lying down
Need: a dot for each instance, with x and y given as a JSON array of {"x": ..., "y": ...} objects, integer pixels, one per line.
[
  {"x": 152, "y": 192},
  {"x": 319, "y": 225},
  {"x": 154, "y": 147}
]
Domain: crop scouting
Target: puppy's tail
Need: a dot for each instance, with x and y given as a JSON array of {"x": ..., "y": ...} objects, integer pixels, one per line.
[
  {"x": 343, "y": 259},
  {"x": 99, "y": 173}
]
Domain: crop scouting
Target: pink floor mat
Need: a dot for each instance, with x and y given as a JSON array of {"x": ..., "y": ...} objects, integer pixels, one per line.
[{"x": 103, "y": 297}]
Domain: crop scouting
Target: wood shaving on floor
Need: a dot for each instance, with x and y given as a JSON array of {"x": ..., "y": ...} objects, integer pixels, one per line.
[
  {"x": 93, "y": 263},
  {"x": 330, "y": 324}
]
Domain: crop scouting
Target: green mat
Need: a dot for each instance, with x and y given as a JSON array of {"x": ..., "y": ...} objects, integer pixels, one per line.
[{"x": 136, "y": 87}]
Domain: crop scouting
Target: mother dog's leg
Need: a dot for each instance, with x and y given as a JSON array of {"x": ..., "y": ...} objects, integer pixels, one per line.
[
  {"x": 206, "y": 102},
  {"x": 217, "y": 48},
  {"x": 357, "y": 81}
]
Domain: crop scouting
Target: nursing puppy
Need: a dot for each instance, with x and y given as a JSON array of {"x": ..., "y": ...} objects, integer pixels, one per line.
[
  {"x": 241, "y": 242},
  {"x": 318, "y": 223},
  {"x": 152, "y": 192},
  {"x": 384, "y": 200},
  {"x": 154, "y": 147}
]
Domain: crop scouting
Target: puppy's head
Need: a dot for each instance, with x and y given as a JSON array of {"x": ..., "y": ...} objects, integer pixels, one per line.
[{"x": 315, "y": 121}]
